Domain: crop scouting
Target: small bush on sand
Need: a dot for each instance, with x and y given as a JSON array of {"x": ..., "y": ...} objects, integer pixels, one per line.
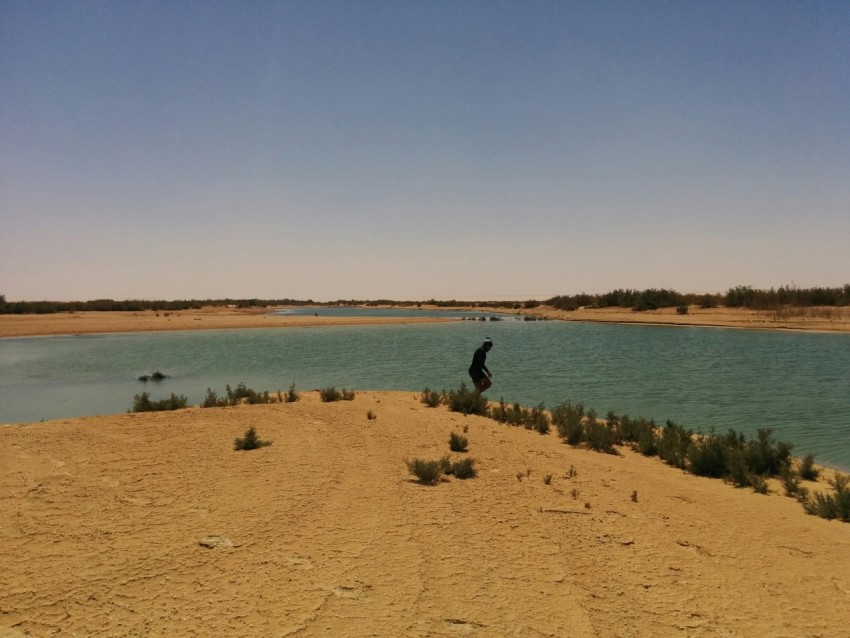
[
  {"x": 500, "y": 412},
  {"x": 212, "y": 400},
  {"x": 458, "y": 443},
  {"x": 330, "y": 394},
  {"x": 464, "y": 468},
  {"x": 291, "y": 395},
  {"x": 764, "y": 455},
  {"x": 467, "y": 401},
  {"x": 142, "y": 403},
  {"x": 600, "y": 437},
  {"x": 250, "y": 441},
  {"x": 538, "y": 419},
  {"x": 427, "y": 472},
  {"x": 674, "y": 445},
  {"x": 430, "y": 398},
  {"x": 244, "y": 394},
  {"x": 347, "y": 395},
  {"x": 371, "y": 416},
  {"x": 808, "y": 471},
  {"x": 835, "y": 505},
  {"x": 790, "y": 480},
  {"x": 707, "y": 457},
  {"x": 241, "y": 394},
  {"x": 567, "y": 419}
]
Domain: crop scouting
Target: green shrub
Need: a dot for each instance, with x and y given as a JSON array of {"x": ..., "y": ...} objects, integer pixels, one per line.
[
  {"x": 458, "y": 443},
  {"x": 467, "y": 401},
  {"x": 241, "y": 394},
  {"x": 430, "y": 398},
  {"x": 427, "y": 472},
  {"x": 567, "y": 419},
  {"x": 330, "y": 394},
  {"x": 291, "y": 395},
  {"x": 212, "y": 400},
  {"x": 464, "y": 468},
  {"x": 631, "y": 431},
  {"x": 244, "y": 394},
  {"x": 835, "y": 505},
  {"x": 681, "y": 310},
  {"x": 142, "y": 403},
  {"x": 347, "y": 395},
  {"x": 737, "y": 472},
  {"x": 647, "y": 442},
  {"x": 758, "y": 484},
  {"x": 707, "y": 458},
  {"x": 808, "y": 471},
  {"x": 674, "y": 444},
  {"x": 538, "y": 419},
  {"x": 499, "y": 412},
  {"x": 599, "y": 436},
  {"x": 790, "y": 480},
  {"x": 250, "y": 441},
  {"x": 765, "y": 456}
]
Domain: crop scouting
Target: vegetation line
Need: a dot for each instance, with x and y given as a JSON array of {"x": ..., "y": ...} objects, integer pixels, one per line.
[{"x": 638, "y": 300}]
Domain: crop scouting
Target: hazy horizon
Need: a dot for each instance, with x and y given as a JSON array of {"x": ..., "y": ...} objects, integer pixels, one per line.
[{"x": 489, "y": 150}]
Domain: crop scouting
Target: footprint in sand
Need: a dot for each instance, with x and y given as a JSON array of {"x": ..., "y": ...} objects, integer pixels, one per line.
[
  {"x": 461, "y": 626},
  {"x": 355, "y": 590},
  {"x": 141, "y": 502},
  {"x": 299, "y": 561}
]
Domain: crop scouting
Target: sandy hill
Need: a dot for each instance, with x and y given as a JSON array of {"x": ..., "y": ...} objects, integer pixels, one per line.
[{"x": 152, "y": 525}]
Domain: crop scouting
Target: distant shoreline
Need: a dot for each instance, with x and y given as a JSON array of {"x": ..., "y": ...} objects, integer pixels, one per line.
[{"x": 833, "y": 320}]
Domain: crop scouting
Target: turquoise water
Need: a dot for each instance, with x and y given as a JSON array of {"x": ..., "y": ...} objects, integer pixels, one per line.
[
  {"x": 796, "y": 383},
  {"x": 357, "y": 311}
]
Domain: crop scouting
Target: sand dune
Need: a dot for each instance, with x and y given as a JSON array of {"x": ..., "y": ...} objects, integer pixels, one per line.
[{"x": 152, "y": 525}]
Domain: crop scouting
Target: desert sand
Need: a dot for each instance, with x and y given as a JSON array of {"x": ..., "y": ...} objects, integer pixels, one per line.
[{"x": 152, "y": 525}]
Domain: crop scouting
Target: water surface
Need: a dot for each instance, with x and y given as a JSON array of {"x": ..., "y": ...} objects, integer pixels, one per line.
[{"x": 796, "y": 383}]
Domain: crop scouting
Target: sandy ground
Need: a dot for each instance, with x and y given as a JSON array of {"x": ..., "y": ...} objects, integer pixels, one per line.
[
  {"x": 812, "y": 319},
  {"x": 214, "y": 318},
  {"x": 105, "y": 522},
  {"x": 209, "y": 318}
]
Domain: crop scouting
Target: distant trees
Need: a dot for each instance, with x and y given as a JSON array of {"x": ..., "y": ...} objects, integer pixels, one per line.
[
  {"x": 737, "y": 297},
  {"x": 638, "y": 300},
  {"x": 135, "y": 305}
]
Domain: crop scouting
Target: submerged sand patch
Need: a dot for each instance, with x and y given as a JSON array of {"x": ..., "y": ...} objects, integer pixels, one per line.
[{"x": 324, "y": 533}]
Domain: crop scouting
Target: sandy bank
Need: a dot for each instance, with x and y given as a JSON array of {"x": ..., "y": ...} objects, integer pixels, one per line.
[
  {"x": 216, "y": 318},
  {"x": 210, "y": 318},
  {"x": 324, "y": 533},
  {"x": 809, "y": 319}
]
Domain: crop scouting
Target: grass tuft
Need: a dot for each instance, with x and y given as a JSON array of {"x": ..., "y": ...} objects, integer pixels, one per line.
[
  {"x": 250, "y": 441},
  {"x": 458, "y": 443}
]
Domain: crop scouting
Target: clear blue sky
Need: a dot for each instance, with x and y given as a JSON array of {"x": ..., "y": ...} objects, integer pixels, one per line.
[{"x": 411, "y": 150}]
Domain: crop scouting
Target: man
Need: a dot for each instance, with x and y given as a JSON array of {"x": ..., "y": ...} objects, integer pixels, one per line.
[{"x": 478, "y": 370}]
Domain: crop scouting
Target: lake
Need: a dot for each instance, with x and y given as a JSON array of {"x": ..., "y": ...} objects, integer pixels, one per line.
[{"x": 702, "y": 378}]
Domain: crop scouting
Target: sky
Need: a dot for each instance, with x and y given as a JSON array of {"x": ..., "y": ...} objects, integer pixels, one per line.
[{"x": 415, "y": 150}]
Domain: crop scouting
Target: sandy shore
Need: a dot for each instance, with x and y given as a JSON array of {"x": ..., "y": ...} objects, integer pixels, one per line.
[
  {"x": 809, "y": 319},
  {"x": 151, "y": 525},
  {"x": 215, "y": 318},
  {"x": 209, "y": 318}
]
